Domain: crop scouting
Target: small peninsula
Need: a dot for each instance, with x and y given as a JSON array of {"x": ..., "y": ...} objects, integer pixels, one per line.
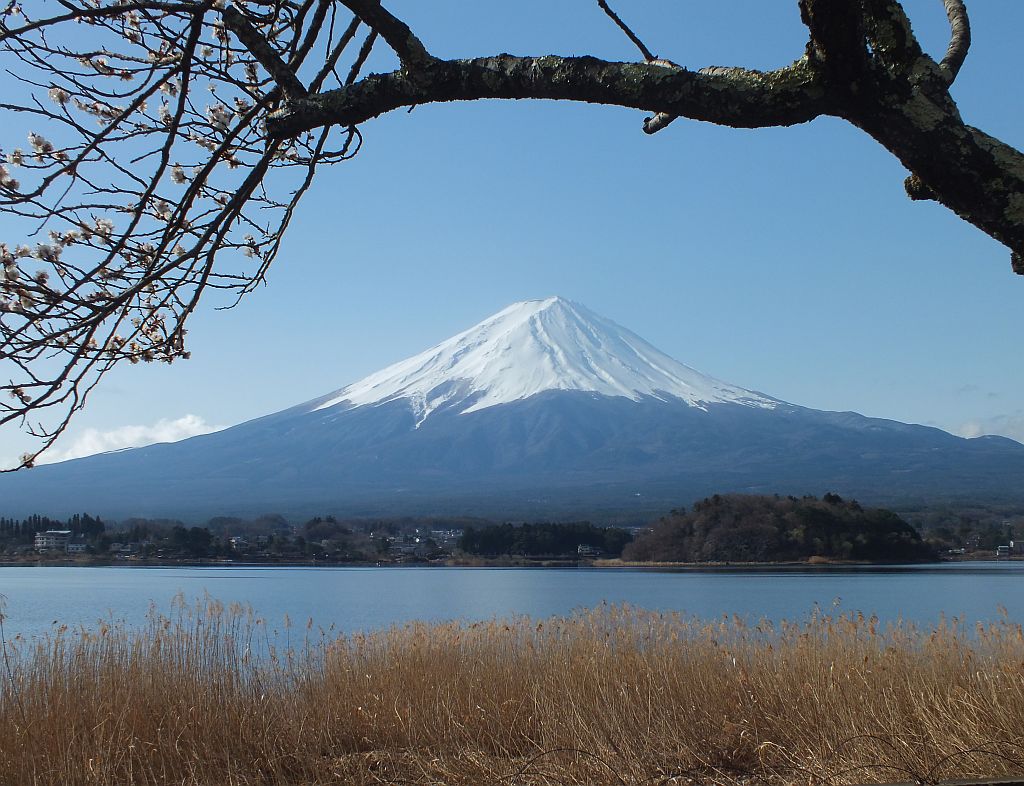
[{"x": 751, "y": 528}]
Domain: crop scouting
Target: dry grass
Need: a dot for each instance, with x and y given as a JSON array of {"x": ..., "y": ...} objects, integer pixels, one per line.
[{"x": 611, "y": 696}]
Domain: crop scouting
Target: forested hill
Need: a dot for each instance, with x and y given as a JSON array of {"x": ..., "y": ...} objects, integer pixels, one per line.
[{"x": 746, "y": 528}]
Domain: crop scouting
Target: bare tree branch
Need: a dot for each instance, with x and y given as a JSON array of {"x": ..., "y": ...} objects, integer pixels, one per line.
[
  {"x": 145, "y": 184},
  {"x": 396, "y": 33},
  {"x": 661, "y": 120},
  {"x": 733, "y": 97},
  {"x": 285, "y": 77},
  {"x": 625, "y": 29},
  {"x": 960, "y": 38}
]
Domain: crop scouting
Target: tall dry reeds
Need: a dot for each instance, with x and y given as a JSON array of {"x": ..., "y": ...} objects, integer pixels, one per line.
[{"x": 615, "y": 695}]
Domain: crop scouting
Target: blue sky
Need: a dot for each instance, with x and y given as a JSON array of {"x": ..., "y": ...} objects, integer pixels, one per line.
[{"x": 785, "y": 260}]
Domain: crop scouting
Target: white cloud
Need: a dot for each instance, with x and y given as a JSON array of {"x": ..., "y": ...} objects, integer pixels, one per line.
[
  {"x": 1011, "y": 426},
  {"x": 94, "y": 440}
]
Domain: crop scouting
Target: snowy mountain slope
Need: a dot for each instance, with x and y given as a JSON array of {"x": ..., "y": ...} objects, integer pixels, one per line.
[
  {"x": 532, "y": 347},
  {"x": 543, "y": 410}
]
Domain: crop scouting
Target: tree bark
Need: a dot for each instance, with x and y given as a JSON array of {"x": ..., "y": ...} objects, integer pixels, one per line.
[{"x": 725, "y": 96}]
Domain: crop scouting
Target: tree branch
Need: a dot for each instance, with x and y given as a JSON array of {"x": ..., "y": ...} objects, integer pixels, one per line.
[
  {"x": 410, "y": 50},
  {"x": 960, "y": 38},
  {"x": 732, "y": 97},
  {"x": 893, "y": 43},
  {"x": 235, "y": 21},
  {"x": 644, "y": 51},
  {"x": 837, "y": 43},
  {"x": 662, "y": 120}
]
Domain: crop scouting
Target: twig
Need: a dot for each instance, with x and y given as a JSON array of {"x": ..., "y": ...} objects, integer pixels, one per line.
[
  {"x": 960, "y": 38},
  {"x": 625, "y": 29},
  {"x": 260, "y": 48},
  {"x": 652, "y": 125}
]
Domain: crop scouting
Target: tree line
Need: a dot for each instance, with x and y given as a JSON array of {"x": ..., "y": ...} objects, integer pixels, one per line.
[
  {"x": 543, "y": 539},
  {"x": 81, "y": 524}
]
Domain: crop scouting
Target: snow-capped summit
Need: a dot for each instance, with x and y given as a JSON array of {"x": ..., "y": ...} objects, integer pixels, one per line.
[{"x": 532, "y": 347}]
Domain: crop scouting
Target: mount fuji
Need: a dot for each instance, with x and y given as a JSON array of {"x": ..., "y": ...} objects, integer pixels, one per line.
[
  {"x": 543, "y": 410},
  {"x": 532, "y": 348}
]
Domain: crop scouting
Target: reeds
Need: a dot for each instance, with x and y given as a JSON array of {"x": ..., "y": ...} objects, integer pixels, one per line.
[{"x": 615, "y": 695}]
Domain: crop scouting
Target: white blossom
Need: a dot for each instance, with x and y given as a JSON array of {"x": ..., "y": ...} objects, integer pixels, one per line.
[
  {"x": 47, "y": 252},
  {"x": 59, "y": 96},
  {"x": 98, "y": 64},
  {"x": 104, "y": 227},
  {"x": 6, "y": 181},
  {"x": 219, "y": 116},
  {"x": 206, "y": 144},
  {"x": 41, "y": 145}
]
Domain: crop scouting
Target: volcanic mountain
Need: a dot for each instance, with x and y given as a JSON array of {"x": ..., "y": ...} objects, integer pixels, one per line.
[{"x": 544, "y": 409}]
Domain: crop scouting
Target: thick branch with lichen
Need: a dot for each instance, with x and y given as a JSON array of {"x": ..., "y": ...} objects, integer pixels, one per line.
[{"x": 732, "y": 97}]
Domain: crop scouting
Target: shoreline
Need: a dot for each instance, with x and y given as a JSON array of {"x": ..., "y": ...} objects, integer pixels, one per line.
[{"x": 458, "y": 562}]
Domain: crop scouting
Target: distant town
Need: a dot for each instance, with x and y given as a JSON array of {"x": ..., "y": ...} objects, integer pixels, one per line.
[
  {"x": 730, "y": 528},
  {"x": 320, "y": 540}
]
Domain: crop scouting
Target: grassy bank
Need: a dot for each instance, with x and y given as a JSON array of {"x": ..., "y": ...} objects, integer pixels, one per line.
[{"x": 610, "y": 696}]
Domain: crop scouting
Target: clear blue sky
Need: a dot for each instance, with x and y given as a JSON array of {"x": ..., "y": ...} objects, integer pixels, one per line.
[{"x": 785, "y": 260}]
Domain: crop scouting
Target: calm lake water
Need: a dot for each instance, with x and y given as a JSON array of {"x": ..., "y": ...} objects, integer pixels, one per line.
[{"x": 352, "y": 599}]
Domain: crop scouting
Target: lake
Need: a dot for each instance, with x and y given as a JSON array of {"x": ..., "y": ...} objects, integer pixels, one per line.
[{"x": 353, "y": 599}]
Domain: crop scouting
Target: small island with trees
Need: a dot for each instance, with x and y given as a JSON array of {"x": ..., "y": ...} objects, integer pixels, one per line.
[{"x": 748, "y": 528}]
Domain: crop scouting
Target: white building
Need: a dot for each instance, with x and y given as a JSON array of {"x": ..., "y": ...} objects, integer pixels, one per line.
[{"x": 52, "y": 540}]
